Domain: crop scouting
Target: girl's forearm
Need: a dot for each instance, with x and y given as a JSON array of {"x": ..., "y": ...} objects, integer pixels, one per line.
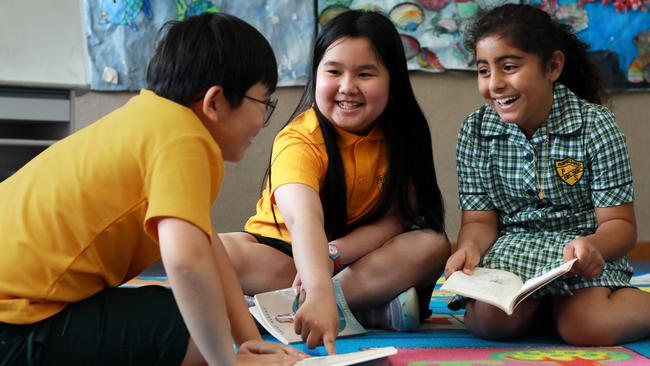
[
  {"x": 477, "y": 234},
  {"x": 614, "y": 238},
  {"x": 309, "y": 245}
]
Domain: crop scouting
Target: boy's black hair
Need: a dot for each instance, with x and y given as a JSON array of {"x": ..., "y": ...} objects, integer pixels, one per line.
[
  {"x": 533, "y": 31},
  {"x": 410, "y": 188},
  {"x": 207, "y": 50}
]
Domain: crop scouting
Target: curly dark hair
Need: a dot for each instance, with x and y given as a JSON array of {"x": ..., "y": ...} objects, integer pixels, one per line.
[{"x": 532, "y": 30}]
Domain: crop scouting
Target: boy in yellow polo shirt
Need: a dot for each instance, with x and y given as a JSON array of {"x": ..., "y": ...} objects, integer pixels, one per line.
[{"x": 97, "y": 208}]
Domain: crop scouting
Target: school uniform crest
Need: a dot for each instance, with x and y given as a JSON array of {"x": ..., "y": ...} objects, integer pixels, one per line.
[{"x": 569, "y": 170}]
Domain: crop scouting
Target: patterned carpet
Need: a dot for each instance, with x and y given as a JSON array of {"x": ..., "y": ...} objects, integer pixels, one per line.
[{"x": 443, "y": 341}]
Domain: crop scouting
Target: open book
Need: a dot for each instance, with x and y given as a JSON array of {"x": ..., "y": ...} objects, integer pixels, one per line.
[
  {"x": 275, "y": 311},
  {"x": 502, "y": 289},
  {"x": 351, "y": 358}
]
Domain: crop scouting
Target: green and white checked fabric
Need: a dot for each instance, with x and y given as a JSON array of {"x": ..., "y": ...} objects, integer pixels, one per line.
[{"x": 579, "y": 156}]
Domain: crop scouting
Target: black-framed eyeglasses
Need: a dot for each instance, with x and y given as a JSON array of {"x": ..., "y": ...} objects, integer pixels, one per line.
[{"x": 270, "y": 104}]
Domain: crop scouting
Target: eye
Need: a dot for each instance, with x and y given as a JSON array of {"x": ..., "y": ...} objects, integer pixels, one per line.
[
  {"x": 365, "y": 74},
  {"x": 333, "y": 72},
  {"x": 509, "y": 68},
  {"x": 483, "y": 71}
]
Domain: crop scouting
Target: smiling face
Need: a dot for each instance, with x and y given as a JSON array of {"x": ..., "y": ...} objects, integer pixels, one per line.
[
  {"x": 516, "y": 83},
  {"x": 352, "y": 85}
]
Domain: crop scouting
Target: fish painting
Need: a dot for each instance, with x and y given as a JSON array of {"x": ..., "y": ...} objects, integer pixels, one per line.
[
  {"x": 639, "y": 69},
  {"x": 194, "y": 7},
  {"x": 124, "y": 12}
]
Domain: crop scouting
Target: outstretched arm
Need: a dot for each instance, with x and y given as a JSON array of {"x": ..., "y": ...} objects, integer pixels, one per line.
[
  {"x": 478, "y": 231},
  {"x": 317, "y": 317},
  {"x": 209, "y": 297}
]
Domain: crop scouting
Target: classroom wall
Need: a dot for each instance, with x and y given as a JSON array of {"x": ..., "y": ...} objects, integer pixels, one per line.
[{"x": 445, "y": 98}]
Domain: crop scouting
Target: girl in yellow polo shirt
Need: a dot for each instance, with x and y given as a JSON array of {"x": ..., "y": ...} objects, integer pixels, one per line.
[{"x": 351, "y": 190}]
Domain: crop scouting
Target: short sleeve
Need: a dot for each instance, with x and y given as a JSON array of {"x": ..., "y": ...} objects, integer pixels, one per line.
[
  {"x": 611, "y": 183},
  {"x": 471, "y": 192},
  {"x": 182, "y": 182},
  {"x": 296, "y": 160}
]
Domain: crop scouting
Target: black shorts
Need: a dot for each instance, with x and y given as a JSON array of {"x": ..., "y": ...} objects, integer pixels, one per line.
[
  {"x": 278, "y": 244},
  {"x": 117, "y": 326},
  {"x": 424, "y": 294}
]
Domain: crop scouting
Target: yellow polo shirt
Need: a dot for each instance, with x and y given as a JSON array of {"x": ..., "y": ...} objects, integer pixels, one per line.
[
  {"x": 82, "y": 215},
  {"x": 299, "y": 156}
]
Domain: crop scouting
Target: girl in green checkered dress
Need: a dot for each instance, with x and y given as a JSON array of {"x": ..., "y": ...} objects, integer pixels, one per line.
[{"x": 544, "y": 177}]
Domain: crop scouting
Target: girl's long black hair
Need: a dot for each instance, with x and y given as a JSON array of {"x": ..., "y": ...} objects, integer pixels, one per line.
[
  {"x": 410, "y": 187},
  {"x": 533, "y": 31}
]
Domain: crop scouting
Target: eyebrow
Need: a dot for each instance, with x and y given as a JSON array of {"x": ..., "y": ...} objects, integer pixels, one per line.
[
  {"x": 360, "y": 67},
  {"x": 501, "y": 59}
]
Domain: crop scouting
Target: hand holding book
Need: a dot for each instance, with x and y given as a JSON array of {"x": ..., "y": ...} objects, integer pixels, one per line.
[{"x": 502, "y": 289}]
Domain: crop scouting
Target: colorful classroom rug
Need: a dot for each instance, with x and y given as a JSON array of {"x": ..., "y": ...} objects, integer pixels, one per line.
[{"x": 443, "y": 341}]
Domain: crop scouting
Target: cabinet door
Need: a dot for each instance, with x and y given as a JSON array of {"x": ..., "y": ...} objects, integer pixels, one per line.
[{"x": 31, "y": 119}]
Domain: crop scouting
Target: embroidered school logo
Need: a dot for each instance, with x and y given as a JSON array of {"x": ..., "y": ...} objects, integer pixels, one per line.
[{"x": 569, "y": 170}]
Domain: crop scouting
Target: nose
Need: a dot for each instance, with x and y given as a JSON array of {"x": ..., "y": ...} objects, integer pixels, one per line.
[
  {"x": 347, "y": 85},
  {"x": 497, "y": 82}
]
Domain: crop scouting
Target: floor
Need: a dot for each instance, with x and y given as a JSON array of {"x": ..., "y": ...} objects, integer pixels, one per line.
[{"x": 641, "y": 265}]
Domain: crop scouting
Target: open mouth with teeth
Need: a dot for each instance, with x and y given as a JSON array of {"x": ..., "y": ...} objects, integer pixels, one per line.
[
  {"x": 506, "y": 100},
  {"x": 348, "y": 105}
]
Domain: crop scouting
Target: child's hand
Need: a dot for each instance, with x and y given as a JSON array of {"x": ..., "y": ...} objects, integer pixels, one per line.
[
  {"x": 464, "y": 259},
  {"x": 261, "y": 347},
  {"x": 590, "y": 261},
  {"x": 317, "y": 321}
]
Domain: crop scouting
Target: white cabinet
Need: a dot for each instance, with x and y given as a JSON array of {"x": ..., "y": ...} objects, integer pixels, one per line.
[{"x": 31, "y": 119}]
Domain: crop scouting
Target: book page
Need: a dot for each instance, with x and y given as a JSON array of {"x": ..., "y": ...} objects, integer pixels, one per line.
[
  {"x": 278, "y": 308},
  {"x": 283, "y": 336},
  {"x": 492, "y": 286},
  {"x": 540, "y": 281},
  {"x": 351, "y": 358}
]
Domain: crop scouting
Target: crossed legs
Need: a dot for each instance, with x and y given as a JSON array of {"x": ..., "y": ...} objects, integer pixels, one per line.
[{"x": 411, "y": 259}]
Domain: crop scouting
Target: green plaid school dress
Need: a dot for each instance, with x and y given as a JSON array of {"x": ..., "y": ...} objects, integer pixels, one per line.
[{"x": 578, "y": 158}]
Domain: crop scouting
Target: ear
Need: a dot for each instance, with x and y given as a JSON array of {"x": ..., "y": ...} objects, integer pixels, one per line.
[
  {"x": 211, "y": 102},
  {"x": 555, "y": 65}
]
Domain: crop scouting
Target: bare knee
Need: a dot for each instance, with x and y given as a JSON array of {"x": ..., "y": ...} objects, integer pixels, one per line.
[
  {"x": 432, "y": 247},
  {"x": 234, "y": 245},
  {"x": 488, "y": 322},
  {"x": 580, "y": 327}
]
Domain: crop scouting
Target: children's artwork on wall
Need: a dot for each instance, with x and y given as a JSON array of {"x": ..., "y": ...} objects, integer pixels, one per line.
[
  {"x": 618, "y": 32},
  {"x": 618, "y": 35},
  {"x": 121, "y": 35},
  {"x": 431, "y": 30}
]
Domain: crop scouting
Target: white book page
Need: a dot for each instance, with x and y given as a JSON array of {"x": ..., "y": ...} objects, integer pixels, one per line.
[
  {"x": 351, "y": 358},
  {"x": 277, "y": 309},
  {"x": 278, "y": 335},
  {"x": 536, "y": 282},
  {"x": 489, "y": 285}
]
